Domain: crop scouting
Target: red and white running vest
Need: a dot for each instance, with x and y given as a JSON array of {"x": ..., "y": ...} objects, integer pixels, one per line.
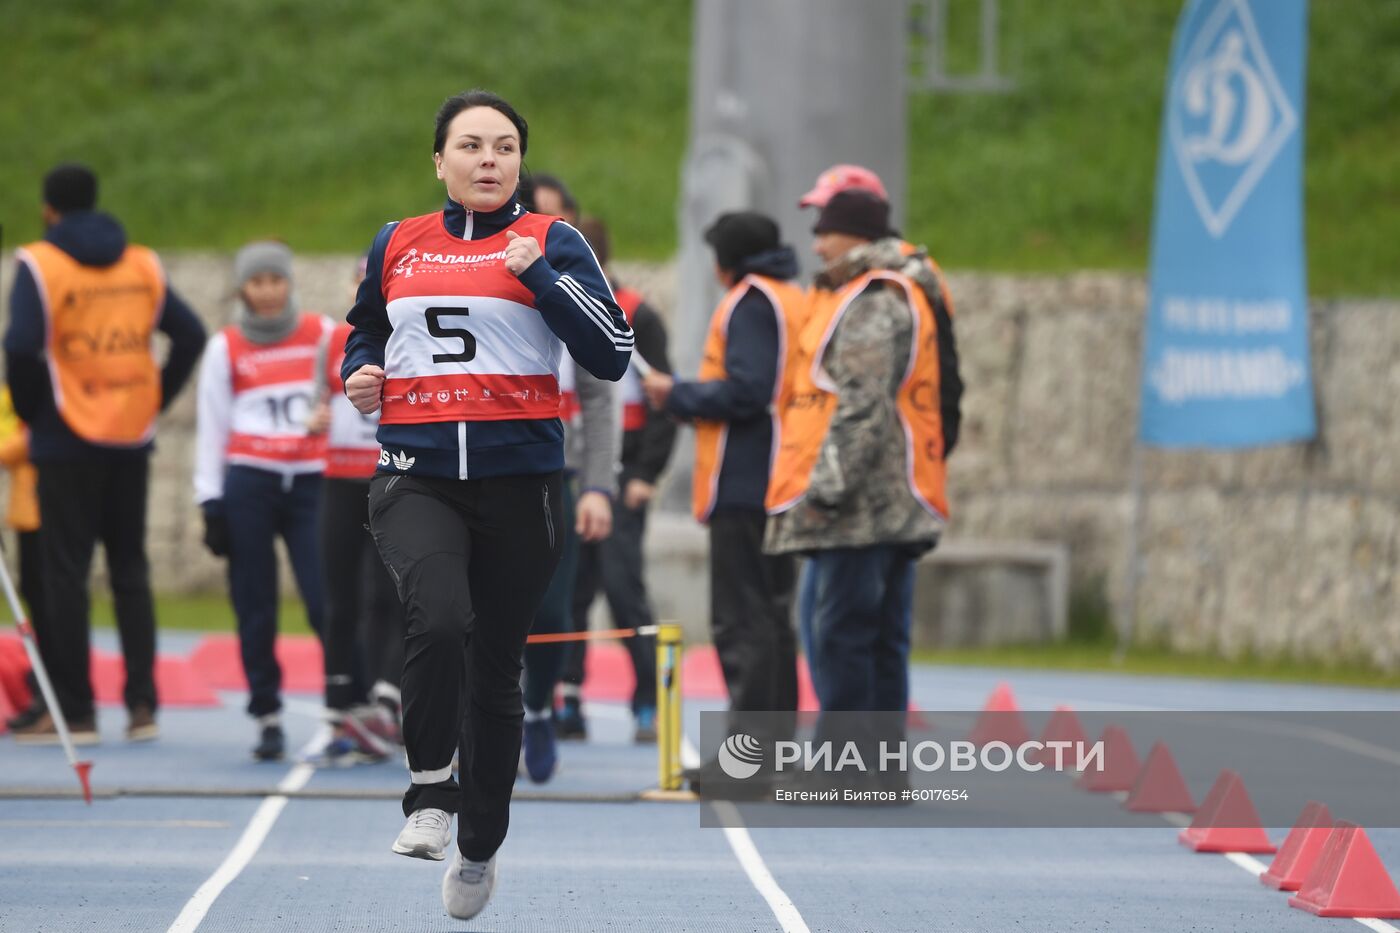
[
  {"x": 274, "y": 393},
  {"x": 468, "y": 343},
  {"x": 352, "y": 449}
]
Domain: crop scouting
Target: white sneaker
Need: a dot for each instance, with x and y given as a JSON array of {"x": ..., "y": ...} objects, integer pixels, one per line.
[
  {"x": 467, "y": 885},
  {"x": 425, "y": 835}
]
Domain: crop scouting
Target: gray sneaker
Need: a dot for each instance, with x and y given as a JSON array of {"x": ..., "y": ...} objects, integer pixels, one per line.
[
  {"x": 425, "y": 835},
  {"x": 467, "y": 885}
]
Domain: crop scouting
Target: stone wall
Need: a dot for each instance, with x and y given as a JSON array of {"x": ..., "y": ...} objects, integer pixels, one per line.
[{"x": 1286, "y": 550}]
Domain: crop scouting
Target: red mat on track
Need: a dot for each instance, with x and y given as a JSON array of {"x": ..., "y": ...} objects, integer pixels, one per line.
[
  {"x": 217, "y": 661},
  {"x": 177, "y": 682},
  {"x": 608, "y": 670},
  {"x": 608, "y": 676}
]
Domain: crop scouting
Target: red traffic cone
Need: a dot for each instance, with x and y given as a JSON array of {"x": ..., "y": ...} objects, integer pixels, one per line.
[
  {"x": 1300, "y": 850},
  {"x": 1160, "y": 788},
  {"x": 1227, "y": 820},
  {"x": 1000, "y": 720},
  {"x": 1348, "y": 879},
  {"x": 1063, "y": 726},
  {"x": 1120, "y": 764}
]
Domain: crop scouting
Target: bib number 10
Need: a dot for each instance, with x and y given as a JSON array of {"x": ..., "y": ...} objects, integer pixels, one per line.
[{"x": 468, "y": 352}]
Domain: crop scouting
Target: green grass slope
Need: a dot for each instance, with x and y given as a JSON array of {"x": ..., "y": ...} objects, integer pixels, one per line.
[
  {"x": 312, "y": 120},
  {"x": 213, "y": 121}
]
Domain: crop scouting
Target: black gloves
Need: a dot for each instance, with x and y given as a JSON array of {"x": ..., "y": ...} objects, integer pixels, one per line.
[{"x": 215, "y": 527}]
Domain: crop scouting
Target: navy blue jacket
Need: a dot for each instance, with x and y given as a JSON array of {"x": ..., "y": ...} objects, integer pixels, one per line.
[
  {"x": 744, "y": 398},
  {"x": 496, "y": 448},
  {"x": 93, "y": 239}
]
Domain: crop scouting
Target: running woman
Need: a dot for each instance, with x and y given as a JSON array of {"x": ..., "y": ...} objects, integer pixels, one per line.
[{"x": 459, "y": 328}]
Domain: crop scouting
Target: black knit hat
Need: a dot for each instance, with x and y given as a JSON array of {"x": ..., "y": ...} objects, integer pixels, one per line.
[
  {"x": 70, "y": 187},
  {"x": 857, "y": 213},
  {"x": 738, "y": 235}
]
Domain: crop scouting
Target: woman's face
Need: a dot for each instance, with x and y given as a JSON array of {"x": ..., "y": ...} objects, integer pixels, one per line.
[
  {"x": 480, "y": 161},
  {"x": 266, "y": 294}
]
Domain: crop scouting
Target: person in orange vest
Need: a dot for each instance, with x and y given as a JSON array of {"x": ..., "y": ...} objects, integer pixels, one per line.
[
  {"x": 85, "y": 378},
  {"x": 736, "y": 437},
  {"x": 925, "y": 271},
  {"x": 260, "y": 450},
  {"x": 858, "y": 481},
  {"x": 23, "y": 517}
]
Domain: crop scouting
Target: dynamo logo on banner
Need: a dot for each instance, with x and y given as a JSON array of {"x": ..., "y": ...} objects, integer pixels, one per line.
[
  {"x": 1226, "y": 360},
  {"x": 1228, "y": 115}
]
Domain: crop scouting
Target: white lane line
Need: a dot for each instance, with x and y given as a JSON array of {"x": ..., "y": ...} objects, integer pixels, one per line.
[
  {"x": 1248, "y": 862},
  {"x": 116, "y": 824},
  {"x": 784, "y": 910},
  {"x": 264, "y": 818},
  {"x": 1380, "y": 926}
]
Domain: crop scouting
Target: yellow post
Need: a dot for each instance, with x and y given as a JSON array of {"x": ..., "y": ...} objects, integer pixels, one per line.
[{"x": 668, "y": 705}]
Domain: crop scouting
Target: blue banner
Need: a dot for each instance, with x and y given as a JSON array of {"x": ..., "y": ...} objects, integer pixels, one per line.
[{"x": 1226, "y": 360}]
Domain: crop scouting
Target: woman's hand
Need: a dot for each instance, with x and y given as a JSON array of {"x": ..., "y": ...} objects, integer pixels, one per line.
[
  {"x": 593, "y": 516},
  {"x": 364, "y": 388},
  {"x": 521, "y": 252}
]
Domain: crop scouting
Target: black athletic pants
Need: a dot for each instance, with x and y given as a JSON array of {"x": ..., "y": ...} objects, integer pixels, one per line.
[
  {"x": 618, "y": 566},
  {"x": 81, "y": 503},
  {"x": 364, "y": 618},
  {"x": 471, "y": 560},
  {"x": 544, "y": 662},
  {"x": 751, "y": 596}
]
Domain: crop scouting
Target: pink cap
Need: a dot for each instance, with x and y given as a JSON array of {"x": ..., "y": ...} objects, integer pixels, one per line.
[{"x": 840, "y": 178}]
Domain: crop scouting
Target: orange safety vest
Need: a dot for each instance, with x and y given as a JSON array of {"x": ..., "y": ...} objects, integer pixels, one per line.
[
  {"x": 789, "y": 302},
  {"x": 106, "y": 383},
  {"x": 810, "y": 400}
]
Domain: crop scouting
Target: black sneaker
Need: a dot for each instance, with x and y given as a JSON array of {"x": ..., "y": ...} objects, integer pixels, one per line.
[
  {"x": 272, "y": 746},
  {"x": 569, "y": 724},
  {"x": 27, "y": 718}
]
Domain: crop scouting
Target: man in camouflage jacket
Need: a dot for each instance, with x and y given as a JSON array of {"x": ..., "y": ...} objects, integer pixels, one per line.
[{"x": 859, "y": 521}]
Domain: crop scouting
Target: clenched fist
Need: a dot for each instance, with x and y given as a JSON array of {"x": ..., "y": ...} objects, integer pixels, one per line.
[
  {"x": 364, "y": 388},
  {"x": 521, "y": 252}
]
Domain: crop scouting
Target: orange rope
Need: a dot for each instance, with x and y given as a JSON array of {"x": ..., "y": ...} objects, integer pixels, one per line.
[{"x": 551, "y": 637}]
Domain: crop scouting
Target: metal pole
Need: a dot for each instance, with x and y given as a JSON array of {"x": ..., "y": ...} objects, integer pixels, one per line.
[
  {"x": 82, "y": 768},
  {"x": 668, "y": 706},
  {"x": 1127, "y": 610}
]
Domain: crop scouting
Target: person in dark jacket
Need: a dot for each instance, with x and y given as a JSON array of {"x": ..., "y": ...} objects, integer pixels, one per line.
[
  {"x": 731, "y": 404},
  {"x": 83, "y": 376},
  {"x": 617, "y": 563},
  {"x": 459, "y": 328}
]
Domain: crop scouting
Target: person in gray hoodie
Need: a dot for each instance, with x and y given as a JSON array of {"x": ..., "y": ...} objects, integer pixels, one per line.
[{"x": 590, "y": 457}]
